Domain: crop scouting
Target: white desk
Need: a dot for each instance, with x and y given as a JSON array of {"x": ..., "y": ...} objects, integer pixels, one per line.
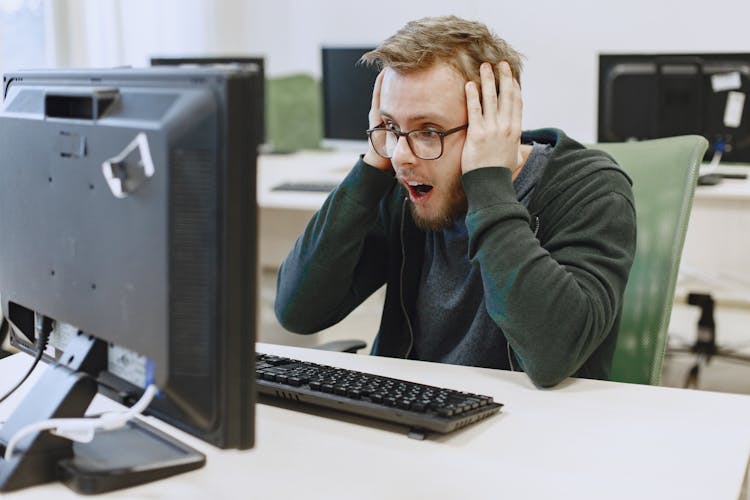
[
  {"x": 284, "y": 214},
  {"x": 313, "y": 166},
  {"x": 717, "y": 245},
  {"x": 583, "y": 440}
]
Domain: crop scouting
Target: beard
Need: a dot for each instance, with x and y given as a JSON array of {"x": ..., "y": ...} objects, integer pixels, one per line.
[{"x": 445, "y": 215}]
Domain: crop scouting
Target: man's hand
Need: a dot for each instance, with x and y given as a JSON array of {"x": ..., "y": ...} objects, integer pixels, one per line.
[
  {"x": 493, "y": 138},
  {"x": 371, "y": 157}
]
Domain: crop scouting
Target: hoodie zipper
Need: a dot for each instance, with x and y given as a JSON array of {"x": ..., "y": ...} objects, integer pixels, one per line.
[{"x": 401, "y": 281}]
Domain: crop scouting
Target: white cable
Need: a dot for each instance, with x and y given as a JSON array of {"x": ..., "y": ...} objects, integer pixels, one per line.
[
  {"x": 82, "y": 429},
  {"x": 716, "y": 159}
]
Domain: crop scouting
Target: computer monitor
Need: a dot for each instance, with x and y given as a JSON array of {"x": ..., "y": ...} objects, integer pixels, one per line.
[
  {"x": 257, "y": 64},
  {"x": 647, "y": 96},
  {"x": 347, "y": 95},
  {"x": 129, "y": 229}
]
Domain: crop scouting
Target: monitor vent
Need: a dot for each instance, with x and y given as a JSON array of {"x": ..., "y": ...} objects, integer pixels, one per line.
[
  {"x": 193, "y": 263},
  {"x": 27, "y": 101}
]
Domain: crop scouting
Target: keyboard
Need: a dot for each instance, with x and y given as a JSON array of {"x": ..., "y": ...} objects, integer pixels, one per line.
[
  {"x": 421, "y": 408},
  {"x": 312, "y": 186}
]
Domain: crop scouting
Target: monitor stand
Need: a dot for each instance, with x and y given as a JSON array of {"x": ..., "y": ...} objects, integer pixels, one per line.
[{"x": 134, "y": 454}]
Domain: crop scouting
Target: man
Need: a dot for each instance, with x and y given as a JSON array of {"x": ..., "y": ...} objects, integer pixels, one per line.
[{"x": 499, "y": 249}]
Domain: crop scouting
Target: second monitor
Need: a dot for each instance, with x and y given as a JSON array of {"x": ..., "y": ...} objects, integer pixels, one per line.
[
  {"x": 647, "y": 96},
  {"x": 347, "y": 95}
]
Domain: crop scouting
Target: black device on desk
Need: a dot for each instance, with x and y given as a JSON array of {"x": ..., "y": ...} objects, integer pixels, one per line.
[
  {"x": 128, "y": 214},
  {"x": 713, "y": 178},
  {"x": 419, "y": 407},
  {"x": 306, "y": 186},
  {"x": 647, "y": 96},
  {"x": 709, "y": 179}
]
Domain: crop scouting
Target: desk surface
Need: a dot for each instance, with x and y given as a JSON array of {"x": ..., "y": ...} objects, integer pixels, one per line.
[
  {"x": 305, "y": 166},
  {"x": 718, "y": 212},
  {"x": 332, "y": 166},
  {"x": 727, "y": 189},
  {"x": 584, "y": 440}
]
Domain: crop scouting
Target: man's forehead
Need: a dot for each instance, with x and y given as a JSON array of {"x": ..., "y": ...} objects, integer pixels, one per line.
[
  {"x": 420, "y": 116},
  {"x": 433, "y": 94},
  {"x": 440, "y": 73}
]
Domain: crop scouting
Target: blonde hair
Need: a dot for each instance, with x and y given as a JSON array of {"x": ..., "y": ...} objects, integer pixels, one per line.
[{"x": 461, "y": 44}]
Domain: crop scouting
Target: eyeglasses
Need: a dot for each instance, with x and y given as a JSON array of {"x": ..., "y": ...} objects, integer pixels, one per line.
[{"x": 425, "y": 144}]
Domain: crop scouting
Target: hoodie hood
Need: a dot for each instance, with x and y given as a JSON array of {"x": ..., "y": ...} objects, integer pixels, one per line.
[{"x": 578, "y": 161}]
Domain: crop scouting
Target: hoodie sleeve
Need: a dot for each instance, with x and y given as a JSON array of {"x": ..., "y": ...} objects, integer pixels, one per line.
[
  {"x": 555, "y": 300},
  {"x": 323, "y": 277}
]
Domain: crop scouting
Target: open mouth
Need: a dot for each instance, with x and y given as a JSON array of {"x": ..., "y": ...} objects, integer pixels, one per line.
[{"x": 418, "y": 190}]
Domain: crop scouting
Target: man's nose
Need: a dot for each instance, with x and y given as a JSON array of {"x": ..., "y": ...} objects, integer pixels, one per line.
[{"x": 402, "y": 154}]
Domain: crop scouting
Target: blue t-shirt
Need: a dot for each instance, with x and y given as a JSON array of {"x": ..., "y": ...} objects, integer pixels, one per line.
[{"x": 452, "y": 324}]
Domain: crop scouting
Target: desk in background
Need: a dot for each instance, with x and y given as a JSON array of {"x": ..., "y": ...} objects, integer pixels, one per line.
[
  {"x": 282, "y": 217},
  {"x": 284, "y": 214},
  {"x": 715, "y": 257},
  {"x": 717, "y": 245},
  {"x": 584, "y": 440}
]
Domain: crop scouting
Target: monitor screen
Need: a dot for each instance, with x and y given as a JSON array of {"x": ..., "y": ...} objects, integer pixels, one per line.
[
  {"x": 647, "y": 96},
  {"x": 347, "y": 95},
  {"x": 257, "y": 63},
  {"x": 128, "y": 215}
]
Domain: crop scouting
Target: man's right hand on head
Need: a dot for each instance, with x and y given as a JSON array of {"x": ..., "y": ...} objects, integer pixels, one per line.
[
  {"x": 371, "y": 157},
  {"x": 493, "y": 138}
]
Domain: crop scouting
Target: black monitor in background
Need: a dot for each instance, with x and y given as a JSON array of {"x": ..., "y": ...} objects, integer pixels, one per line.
[
  {"x": 647, "y": 96},
  {"x": 128, "y": 215},
  {"x": 347, "y": 95},
  {"x": 257, "y": 63}
]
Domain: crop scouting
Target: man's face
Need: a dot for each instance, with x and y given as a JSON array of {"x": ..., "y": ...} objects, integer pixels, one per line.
[{"x": 431, "y": 99}]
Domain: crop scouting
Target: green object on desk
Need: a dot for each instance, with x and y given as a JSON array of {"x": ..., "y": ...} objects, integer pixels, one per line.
[
  {"x": 664, "y": 173},
  {"x": 294, "y": 113}
]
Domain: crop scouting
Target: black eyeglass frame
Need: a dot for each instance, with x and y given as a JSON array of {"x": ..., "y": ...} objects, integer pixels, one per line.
[{"x": 400, "y": 133}]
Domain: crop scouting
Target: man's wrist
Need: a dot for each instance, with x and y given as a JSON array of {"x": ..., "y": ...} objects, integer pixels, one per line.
[
  {"x": 487, "y": 186},
  {"x": 373, "y": 159}
]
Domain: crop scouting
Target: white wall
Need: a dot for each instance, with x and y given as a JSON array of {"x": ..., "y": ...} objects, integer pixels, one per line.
[{"x": 561, "y": 39}]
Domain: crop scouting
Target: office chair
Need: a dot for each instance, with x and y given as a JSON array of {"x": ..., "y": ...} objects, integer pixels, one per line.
[
  {"x": 664, "y": 174},
  {"x": 294, "y": 113}
]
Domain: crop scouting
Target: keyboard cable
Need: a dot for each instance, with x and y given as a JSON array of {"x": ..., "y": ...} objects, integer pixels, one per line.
[{"x": 41, "y": 345}]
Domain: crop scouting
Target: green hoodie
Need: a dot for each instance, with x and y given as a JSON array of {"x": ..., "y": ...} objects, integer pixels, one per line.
[{"x": 554, "y": 275}]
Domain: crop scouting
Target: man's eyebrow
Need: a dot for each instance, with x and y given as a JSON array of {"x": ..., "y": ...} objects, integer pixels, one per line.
[{"x": 418, "y": 118}]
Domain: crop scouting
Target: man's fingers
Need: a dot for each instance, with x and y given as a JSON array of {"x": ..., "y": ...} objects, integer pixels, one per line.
[
  {"x": 507, "y": 93},
  {"x": 489, "y": 94},
  {"x": 472, "y": 103},
  {"x": 517, "y": 106},
  {"x": 375, "y": 105},
  {"x": 375, "y": 119}
]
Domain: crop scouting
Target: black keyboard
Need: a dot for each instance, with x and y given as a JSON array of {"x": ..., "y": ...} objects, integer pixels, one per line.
[
  {"x": 420, "y": 407},
  {"x": 312, "y": 187}
]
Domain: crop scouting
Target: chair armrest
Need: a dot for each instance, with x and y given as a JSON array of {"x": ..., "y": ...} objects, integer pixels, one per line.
[{"x": 343, "y": 346}]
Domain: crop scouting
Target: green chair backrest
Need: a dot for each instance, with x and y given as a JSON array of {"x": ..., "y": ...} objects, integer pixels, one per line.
[
  {"x": 664, "y": 174},
  {"x": 294, "y": 113}
]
